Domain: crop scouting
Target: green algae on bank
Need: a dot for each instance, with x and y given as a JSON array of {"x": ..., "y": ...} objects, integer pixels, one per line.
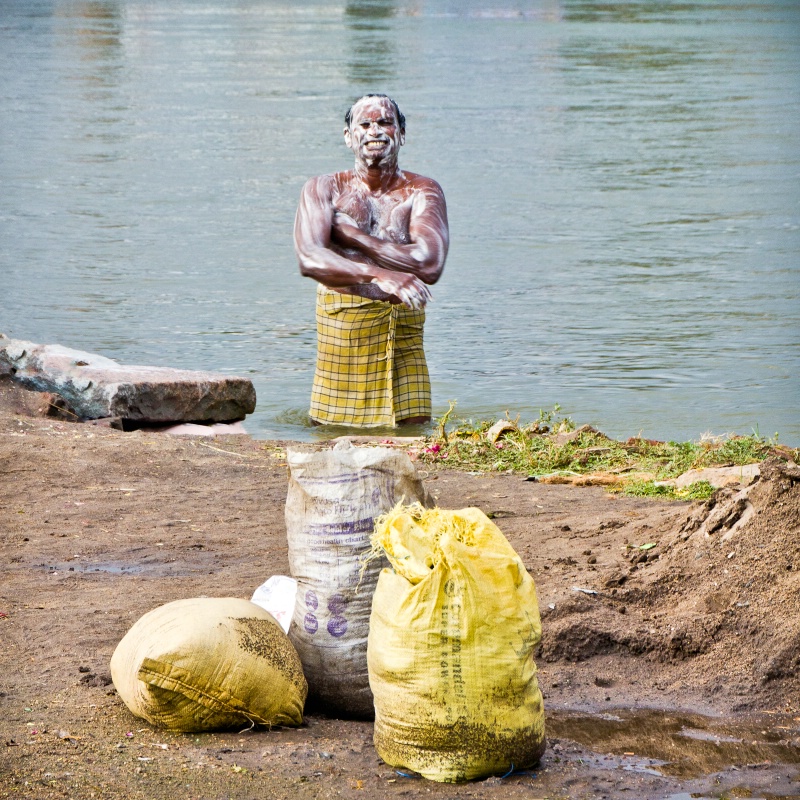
[{"x": 552, "y": 446}]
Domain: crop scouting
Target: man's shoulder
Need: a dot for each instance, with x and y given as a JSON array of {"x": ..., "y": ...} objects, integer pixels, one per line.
[
  {"x": 421, "y": 182},
  {"x": 329, "y": 183}
]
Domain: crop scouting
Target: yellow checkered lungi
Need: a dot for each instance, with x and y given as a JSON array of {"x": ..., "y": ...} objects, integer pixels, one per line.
[{"x": 371, "y": 367}]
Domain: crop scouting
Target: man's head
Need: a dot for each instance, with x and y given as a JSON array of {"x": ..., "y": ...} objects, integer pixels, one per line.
[
  {"x": 398, "y": 113},
  {"x": 376, "y": 129}
]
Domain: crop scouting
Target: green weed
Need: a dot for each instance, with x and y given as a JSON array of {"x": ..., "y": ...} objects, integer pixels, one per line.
[
  {"x": 699, "y": 490},
  {"x": 553, "y": 444}
]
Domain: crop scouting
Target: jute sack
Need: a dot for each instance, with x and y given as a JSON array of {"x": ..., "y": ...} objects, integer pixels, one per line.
[
  {"x": 209, "y": 664},
  {"x": 453, "y": 628},
  {"x": 334, "y": 496}
]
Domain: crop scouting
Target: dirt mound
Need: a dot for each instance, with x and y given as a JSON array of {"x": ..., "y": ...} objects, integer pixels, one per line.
[{"x": 716, "y": 601}]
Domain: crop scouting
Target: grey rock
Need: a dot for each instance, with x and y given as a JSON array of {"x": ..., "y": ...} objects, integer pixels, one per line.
[
  {"x": 95, "y": 387},
  {"x": 718, "y": 476}
]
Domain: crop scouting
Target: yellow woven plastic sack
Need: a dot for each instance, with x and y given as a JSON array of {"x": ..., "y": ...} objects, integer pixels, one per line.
[
  {"x": 450, "y": 650},
  {"x": 208, "y": 664}
]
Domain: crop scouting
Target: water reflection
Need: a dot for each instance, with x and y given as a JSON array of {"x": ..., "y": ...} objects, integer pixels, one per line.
[
  {"x": 98, "y": 40},
  {"x": 93, "y": 32},
  {"x": 635, "y": 56},
  {"x": 631, "y": 12},
  {"x": 373, "y": 53},
  {"x": 679, "y": 744}
]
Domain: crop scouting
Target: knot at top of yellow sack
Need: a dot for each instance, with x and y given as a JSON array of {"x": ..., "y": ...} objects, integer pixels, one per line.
[{"x": 416, "y": 539}]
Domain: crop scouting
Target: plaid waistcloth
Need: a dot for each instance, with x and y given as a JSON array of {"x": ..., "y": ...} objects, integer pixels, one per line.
[{"x": 371, "y": 368}]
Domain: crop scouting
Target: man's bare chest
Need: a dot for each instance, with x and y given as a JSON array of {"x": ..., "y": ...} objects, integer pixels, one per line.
[{"x": 385, "y": 216}]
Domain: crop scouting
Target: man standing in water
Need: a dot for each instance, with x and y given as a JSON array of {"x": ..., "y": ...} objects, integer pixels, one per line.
[{"x": 374, "y": 238}]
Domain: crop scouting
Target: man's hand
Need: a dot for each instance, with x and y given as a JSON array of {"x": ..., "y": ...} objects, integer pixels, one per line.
[
  {"x": 341, "y": 221},
  {"x": 409, "y": 289}
]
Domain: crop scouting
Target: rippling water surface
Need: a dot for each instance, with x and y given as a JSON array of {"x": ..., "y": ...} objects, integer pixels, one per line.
[{"x": 623, "y": 182}]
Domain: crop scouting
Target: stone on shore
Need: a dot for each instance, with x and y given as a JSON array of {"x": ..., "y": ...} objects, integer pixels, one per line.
[
  {"x": 95, "y": 387},
  {"x": 716, "y": 476}
]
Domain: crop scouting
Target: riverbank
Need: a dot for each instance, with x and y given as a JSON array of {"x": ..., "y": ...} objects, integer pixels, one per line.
[{"x": 642, "y": 608}]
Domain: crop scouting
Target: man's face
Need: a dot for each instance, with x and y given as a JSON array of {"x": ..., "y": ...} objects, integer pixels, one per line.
[{"x": 374, "y": 134}]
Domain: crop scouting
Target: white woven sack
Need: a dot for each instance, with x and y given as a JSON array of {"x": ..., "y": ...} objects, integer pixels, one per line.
[{"x": 333, "y": 499}]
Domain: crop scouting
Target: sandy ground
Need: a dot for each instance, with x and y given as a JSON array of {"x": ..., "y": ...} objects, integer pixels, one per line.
[{"x": 677, "y": 677}]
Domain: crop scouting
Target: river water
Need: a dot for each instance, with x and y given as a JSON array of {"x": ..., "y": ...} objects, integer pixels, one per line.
[{"x": 623, "y": 183}]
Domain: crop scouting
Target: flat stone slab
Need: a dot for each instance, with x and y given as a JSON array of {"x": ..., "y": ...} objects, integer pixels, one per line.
[
  {"x": 97, "y": 387},
  {"x": 716, "y": 476},
  {"x": 720, "y": 476}
]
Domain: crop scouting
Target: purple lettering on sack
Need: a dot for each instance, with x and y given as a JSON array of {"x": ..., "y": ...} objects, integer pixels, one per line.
[
  {"x": 311, "y": 600},
  {"x": 346, "y": 528},
  {"x": 337, "y": 626},
  {"x": 337, "y": 604},
  {"x": 310, "y": 623}
]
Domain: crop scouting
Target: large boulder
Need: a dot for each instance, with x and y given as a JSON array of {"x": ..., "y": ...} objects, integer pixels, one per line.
[{"x": 96, "y": 387}]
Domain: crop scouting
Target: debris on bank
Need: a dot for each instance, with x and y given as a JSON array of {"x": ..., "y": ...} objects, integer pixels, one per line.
[{"x": 554, "y": 451}]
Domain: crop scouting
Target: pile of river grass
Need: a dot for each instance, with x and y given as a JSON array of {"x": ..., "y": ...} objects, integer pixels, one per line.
[{"x": 553, "y": 449}]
